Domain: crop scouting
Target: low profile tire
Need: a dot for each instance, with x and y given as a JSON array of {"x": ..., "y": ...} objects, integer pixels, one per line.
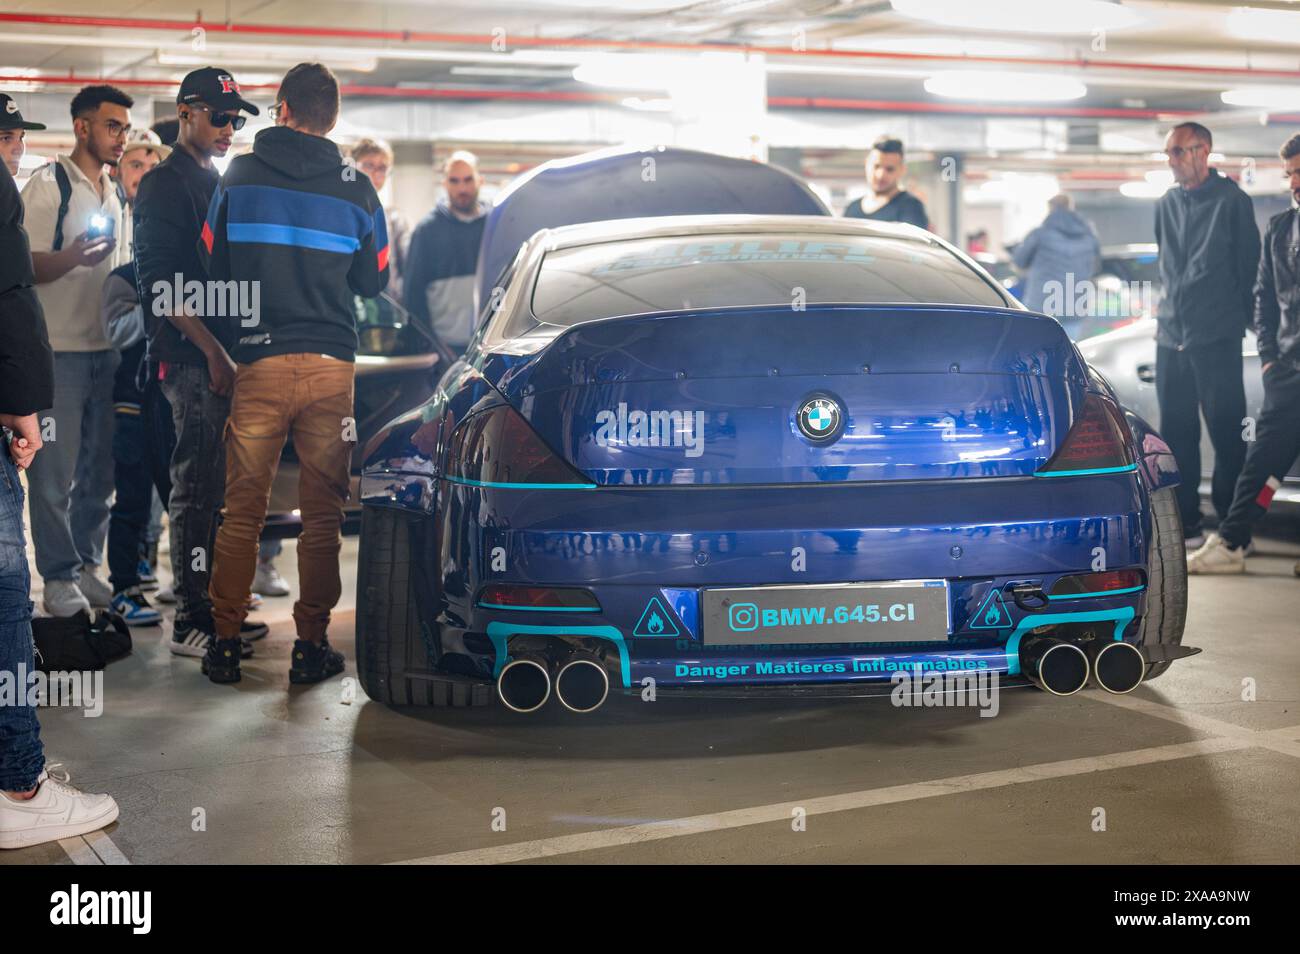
[
  {"x": 393, "y": 660},
  {"x": 1167, "y": 582}
]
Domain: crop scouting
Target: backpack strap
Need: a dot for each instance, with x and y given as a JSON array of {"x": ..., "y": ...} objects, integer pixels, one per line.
[{"x": 65, "y": 198}]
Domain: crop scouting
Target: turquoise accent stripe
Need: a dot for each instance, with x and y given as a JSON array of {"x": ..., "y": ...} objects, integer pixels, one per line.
[
  {"x": 1083, "y": 473},
  {"x": 1079, "y": 596},
  {"x": 542, "y": 609},
  {"x": 268, "y": 233},
  {"x": 494, "y": 484},
  {"x": 500, "y": 634},
  {"x": 1122, "y": 617}
]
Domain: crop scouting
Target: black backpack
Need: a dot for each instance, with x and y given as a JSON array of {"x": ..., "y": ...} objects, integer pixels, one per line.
[
  {"x": 65, "y": 197},
  {"x": 77, "y": 643}
]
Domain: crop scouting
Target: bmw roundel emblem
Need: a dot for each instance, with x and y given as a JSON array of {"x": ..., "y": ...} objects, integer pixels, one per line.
[{"x": 820, "y": 419}]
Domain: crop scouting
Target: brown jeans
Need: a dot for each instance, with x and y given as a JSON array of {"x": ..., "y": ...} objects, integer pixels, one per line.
[{"x": 307, "y": 397}]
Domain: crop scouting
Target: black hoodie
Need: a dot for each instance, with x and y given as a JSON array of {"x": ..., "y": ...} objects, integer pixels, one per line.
[
  {"x": 1209, "y": 253},
  {"x": 301, "y": 231},
  {"x": 26, "y": 361}
]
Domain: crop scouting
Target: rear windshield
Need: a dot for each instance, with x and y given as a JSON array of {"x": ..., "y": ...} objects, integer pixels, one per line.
[{"x": 667, "y": 274}]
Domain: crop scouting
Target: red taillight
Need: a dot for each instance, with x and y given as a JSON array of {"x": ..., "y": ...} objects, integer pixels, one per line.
[
  {"x": 1106, "y": 582},
  {"x": 1098, "y": 441},
  {"x": 496, "y": 447},
  {"x": 513, "y": 596}
]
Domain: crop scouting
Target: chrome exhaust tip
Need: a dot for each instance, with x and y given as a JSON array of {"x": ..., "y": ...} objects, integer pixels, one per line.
[
  {"x": 582, "y": 684},
  {"x": 1117, "y": 667},
  {"x": 1054, "y": 665},
  {"x": 524, "y": 685}
]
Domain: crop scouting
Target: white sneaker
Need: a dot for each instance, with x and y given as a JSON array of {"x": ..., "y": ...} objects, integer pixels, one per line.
[
  {"x": 64, "y": 598},
  {"x": 1194, "y": 543},
  {"x": 268, "y": 581},
  {"x": 166, "y": 595},
  {"x": 1216, "y": 557},
  {"x": 94, "y": 589},
  {"x": 57, "y": 810}
]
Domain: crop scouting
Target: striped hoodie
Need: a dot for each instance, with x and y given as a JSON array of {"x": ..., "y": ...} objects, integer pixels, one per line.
[{"x": 300, "y": 232}]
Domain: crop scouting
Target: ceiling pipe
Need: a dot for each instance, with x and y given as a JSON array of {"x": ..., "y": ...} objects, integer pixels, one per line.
[
  {"x": 588, "y": 43},
  {"x": 576, "y": 96}
]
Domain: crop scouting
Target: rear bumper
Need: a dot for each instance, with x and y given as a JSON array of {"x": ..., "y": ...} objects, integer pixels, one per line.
[{"x": 631, "y": 548}]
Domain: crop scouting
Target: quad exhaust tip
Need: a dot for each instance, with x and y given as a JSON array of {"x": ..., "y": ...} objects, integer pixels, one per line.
[
  {"x": 1054, "y": 665},
  {"x": 1117, "y": 667},
  {"x": 582, "y": 684},
  {"x": 524, "y": 685}
]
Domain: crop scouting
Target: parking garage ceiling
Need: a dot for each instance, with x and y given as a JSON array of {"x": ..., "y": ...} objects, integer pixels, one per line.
[{"x": 1138, "y": 59}]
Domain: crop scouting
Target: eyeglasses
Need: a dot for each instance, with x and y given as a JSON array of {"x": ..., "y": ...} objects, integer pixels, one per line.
[
  {"x": 1177, "y": 152},
  {"x": 221, "y": 120},
  {"x": 115, "y": 129}
]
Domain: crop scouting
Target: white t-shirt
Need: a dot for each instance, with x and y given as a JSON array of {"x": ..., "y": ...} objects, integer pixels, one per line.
[{"x": 72, "y": 303}]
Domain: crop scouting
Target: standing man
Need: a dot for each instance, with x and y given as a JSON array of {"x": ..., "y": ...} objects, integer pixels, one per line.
[
  {"x": 133, "y": 479},
  {"x": 13, "y": 134},
  {"x": 288, "y": 219},
  {"x": 374, "y": 157},
  {"x": 1277, "y": 432},
  {"x": 74, "y": 220},
  {"x": 1209, "y": 254},
  {"x": 34, "y": 808},
  {"x": 888, "y": 201},
  {"x": 1064, "y": 245},
  {"x": 439, "y": 285},
  {"x": 189, "y": 351}
]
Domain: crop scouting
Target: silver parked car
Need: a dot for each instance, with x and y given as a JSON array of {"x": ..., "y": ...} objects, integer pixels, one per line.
[{"x": 1127, "y": 358}]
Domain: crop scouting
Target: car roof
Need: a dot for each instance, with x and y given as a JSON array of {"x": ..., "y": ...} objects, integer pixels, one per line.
[{"x": 667, "y": 226}]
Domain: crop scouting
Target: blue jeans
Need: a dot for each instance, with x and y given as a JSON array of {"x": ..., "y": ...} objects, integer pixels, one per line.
[
  {"x": 21, "y": 755},
  {"x": 71, "y": 479}
]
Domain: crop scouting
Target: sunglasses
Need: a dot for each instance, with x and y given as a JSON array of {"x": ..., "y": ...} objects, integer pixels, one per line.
[
  {"x": 220, "y": 120},
  {"x": 1177, "y": 152}
]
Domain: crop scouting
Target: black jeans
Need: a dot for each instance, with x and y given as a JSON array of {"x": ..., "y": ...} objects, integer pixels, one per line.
[
  {"x": 1187, "y": 383},
  {"x": 198, "y": 473},
  {"x": 143, "y": 441},
  {"x": 1274, "y": 450}
]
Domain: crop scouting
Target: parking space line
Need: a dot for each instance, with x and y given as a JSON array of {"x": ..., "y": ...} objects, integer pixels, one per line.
[
  {"x": 104, "y": 847},
  {"x": 1281, "y": 740},
  {"x": 79, "y": 851},
  {"x": 850, "y": 801}
]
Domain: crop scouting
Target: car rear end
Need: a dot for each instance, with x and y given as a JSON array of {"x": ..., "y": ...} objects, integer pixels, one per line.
[{"x": 657, "y": 494}]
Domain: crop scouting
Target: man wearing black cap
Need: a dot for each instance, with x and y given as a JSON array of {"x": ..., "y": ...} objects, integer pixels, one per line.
[
  {"x": 189, "y": 352},
  {"x": 13, "y": 133}
]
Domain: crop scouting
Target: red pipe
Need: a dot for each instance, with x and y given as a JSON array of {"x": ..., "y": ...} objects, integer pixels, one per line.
[
  {"x": 488, "y": 41},
  {"x": 779, "y": 102}
]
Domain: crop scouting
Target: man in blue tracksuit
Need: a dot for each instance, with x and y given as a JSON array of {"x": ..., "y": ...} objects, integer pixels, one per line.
[{"x": 439, "y": 285}]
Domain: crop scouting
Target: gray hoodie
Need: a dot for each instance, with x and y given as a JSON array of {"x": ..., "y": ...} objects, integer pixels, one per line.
[{"x": 1064, "y": 245}]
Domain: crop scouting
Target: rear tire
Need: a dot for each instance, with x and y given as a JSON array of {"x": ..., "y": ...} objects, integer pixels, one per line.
[
  {"x": 1166, "y": 613},
  {"x": 393, "y": 660}
]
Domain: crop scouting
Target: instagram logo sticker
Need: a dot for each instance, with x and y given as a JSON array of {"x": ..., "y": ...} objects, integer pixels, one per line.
[{"x": 743, "y": 617}]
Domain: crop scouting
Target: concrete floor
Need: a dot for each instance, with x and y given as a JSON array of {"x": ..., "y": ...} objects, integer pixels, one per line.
[{"x": 1184, "y": 770}]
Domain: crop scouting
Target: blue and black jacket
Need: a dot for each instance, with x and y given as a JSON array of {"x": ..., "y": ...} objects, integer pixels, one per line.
[{"x": 293, "y": 217}]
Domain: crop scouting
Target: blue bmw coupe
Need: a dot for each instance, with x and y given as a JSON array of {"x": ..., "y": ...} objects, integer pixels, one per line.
[{"x": 761, "y": 453}]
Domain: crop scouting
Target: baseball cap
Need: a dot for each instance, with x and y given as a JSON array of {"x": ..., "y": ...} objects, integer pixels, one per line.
[
  {"x": 10, "y": 118},
  {"x": 216, "y": 88},
  {"x": 146, "y": 139}
]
